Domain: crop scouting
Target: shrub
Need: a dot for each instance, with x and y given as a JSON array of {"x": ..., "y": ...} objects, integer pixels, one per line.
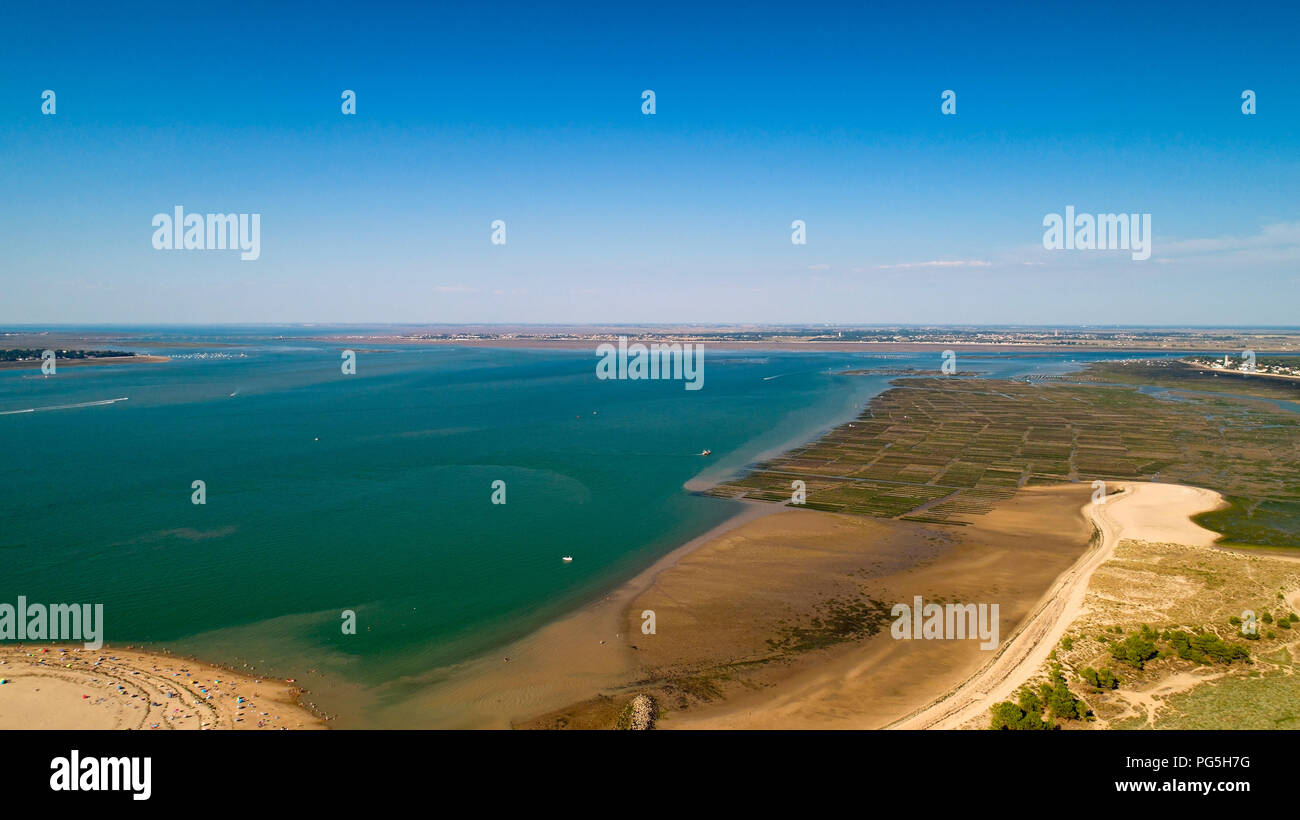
[
  {"x": 1205, "y": 647},
  {"x": 1061, "y": 702},
  {"x": 1099, "y": 679},
  {"x": 1137, "y": 649},
  {"x": 1027, "y": 711},
  {"x": 1009, "y": 716}
]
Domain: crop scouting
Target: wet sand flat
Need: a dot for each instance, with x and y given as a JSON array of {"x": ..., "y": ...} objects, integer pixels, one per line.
[{"x": 722, "y": 601}]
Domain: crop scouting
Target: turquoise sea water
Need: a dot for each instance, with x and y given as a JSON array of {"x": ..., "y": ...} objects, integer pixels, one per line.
[{"x": 372, "y": 492}]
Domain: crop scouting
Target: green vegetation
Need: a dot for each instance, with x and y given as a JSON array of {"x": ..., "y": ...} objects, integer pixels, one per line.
[
  {"x": 1260, "y": 522},
  {"x": 1136, "y": 650},
  {"x": 1204, "y": 647},
  {"x": 1182, "y": 375},
  {"x": 1269, "y": 699},
  {"x": 1207, "y": 671},
  {"x": 1277, "y": 361},
  {"x": 1027, "y": 712},
  {"x": 1102, "y": 679},
  {"x": 1061, "y": 702},
  {"x": 26, "y": 354},
  {"x": 1199, "y": 647},
  {"x": 946, "y": 450},
  {"x": 837, "y": 620}
]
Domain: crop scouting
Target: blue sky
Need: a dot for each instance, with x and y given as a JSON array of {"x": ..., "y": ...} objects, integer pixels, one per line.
[{"x": 766, "y": 113}]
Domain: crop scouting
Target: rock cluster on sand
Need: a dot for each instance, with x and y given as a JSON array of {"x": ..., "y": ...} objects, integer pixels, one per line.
[{"x": 643, "y": 712}]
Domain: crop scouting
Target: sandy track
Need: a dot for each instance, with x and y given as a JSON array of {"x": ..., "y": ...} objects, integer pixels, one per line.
[{"x": 1141, "y": 511}]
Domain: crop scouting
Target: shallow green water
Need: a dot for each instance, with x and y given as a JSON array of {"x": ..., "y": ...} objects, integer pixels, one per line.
[{"x": 372, "y": 492}]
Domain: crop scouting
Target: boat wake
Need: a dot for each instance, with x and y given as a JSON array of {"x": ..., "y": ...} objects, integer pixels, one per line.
[{"x": 63, "y": 406}]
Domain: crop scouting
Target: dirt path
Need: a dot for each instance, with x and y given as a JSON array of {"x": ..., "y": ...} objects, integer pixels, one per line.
[{"x": 1143, "y": 511}]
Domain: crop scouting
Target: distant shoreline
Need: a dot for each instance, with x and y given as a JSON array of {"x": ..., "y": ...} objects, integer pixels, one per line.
[
  {"x": 35, "y": 364},
  {"x": 1245, "y": 373},
  {"x": 587, "y": 651},
  {"x": 712, "y": 594},
  {"x": 758, "y": 345}
]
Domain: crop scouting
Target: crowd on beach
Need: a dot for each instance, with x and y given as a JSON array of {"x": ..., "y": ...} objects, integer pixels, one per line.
[{"x": 144, "y": 691}]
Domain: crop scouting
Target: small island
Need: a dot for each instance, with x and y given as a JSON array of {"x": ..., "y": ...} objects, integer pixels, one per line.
[{"x": 16, "y": 358}]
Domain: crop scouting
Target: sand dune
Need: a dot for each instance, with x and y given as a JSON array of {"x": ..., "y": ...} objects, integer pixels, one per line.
[{"x": 1141, "y": 511}]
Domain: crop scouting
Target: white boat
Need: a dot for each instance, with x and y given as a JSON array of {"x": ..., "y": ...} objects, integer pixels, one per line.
[
  {"x": 566, "y": 559},
  {"x": 707, "y": 453}
]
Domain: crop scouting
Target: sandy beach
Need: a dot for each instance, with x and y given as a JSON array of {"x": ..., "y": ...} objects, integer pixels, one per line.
[
  {"x": 721, "y": 600},
  {"x": 1139, "y": 511},
  {"x": 725, "y": 605},
  {"x": 778, "y": 618},
  {"x": 1007, "y": 558},
  {"x": 51, "y": 686},
  {"x": 563, "y": 662},
  {"x": 1161, "y": 570}
]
